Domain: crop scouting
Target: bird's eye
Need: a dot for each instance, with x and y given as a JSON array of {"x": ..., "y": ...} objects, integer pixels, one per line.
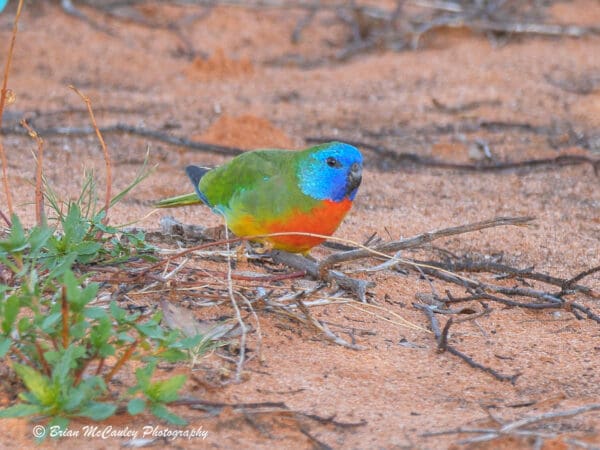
[{"x": 332, "y": 162}]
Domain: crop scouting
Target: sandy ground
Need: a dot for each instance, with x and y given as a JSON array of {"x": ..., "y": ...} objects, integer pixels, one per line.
[{"x": 232, "y": 76}]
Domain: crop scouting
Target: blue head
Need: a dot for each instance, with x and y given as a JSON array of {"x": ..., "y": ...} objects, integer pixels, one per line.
[{"x": 330, "y": 172}]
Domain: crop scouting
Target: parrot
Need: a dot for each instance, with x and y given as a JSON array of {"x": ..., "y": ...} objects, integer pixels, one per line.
[{"x": 262, "y": 192}]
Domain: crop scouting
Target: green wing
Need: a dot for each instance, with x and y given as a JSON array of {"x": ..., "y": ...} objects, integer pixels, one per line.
[{"x": 261, "y": 183}]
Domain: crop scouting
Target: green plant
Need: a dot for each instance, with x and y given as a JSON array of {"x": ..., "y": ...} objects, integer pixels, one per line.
[
  {"x": 63, "y": 344},
  {"x": 156, "y": 394}
]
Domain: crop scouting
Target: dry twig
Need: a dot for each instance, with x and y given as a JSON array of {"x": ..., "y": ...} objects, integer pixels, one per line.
[
  {"x": 441, "y": 338},
  {"x": 515, "y": 427},
  {"x": 3, "y": 96},
  {"x": 413, "y": 158},
  {"x": 107, "y": 160},
  {"x": 419, "y": 240},
  {"x": 323, "y": 327},
  {"x": 39, "y": 186},
  {"x": 356, "y": 286},
  {"x": 121, "y": 128}
]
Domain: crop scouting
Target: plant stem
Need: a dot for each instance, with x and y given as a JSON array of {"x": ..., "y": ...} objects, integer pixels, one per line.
[
  {"x": 21, "y": 355},
  {"x": 42, "y": 358},
  {"x": 65, "y": 318},
  {"x": 121, "y": 361},
  {"x": 84, "y": 366}
]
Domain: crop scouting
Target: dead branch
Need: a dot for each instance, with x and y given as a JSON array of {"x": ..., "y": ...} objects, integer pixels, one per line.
[
  {"x": 575, "y": 84},
  {"x": 121, "y": 128},
  {"x": 549, "y": 415},
  {"x": 271, "y": 409},
  {"x": 515, "y": 428},
  {"x": 479, "y": 290},
  {"x": 302, "y": 24},
  {"x": 413, "y": 158},
  {"x": 540, "y": 29},
  {"x": 419, "y": 240},
  {"x": 274, "y": 4},
  {"x": 401, "y": 158},
  {"x": 174, "y": 27},
  {"x": 568, "y": 284},
  {"x": 506, "y": 271},
  {"x": 261, "y": 408},
  {"x": 461, "y": 108},
  {"x": 321, "y": 326},
  {"x": 357, "y": 287},
  {"x": 444, "y": 346},
  {"x": 69, "y": 8},
  {"x": 505, "y": 27}
]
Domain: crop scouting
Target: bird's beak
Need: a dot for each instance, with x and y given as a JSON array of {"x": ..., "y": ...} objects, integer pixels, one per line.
[{"x": 354, "y": 178}]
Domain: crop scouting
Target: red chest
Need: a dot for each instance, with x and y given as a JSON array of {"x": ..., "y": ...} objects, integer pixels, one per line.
[{"x": 323, "y": 219}]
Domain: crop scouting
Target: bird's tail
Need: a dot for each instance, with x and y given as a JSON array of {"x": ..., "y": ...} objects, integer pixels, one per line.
[{"x": 180, "y": 200}]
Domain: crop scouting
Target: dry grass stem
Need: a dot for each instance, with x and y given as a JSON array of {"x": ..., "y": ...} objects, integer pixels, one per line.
[
  {"x": 3, "y": 96},
  {"x": 39, "y": 174},
  {"x": 107, "y": 160},
  {"x": 238, "y": 315}
]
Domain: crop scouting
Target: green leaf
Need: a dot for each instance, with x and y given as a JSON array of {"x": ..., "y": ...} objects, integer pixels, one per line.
[
  {"x": 144, "y": 374},
  {"x": 136, "y": 406},
  {"x": 47, "y": 326},
  {"x": 166, "y": 390},
  {"x": 89, "y": 292},
  {"x": 11, "y": 310},
  {"x": 25, "y": 324},
  {"x": 95, "y": 312},
  {"x": 106, "y": 350},
  {"x": 20, "y": 410},
  {"x": 38, "y": 238},
  {"x": 58, "y": 421},
  {"x": 38, "y": 384},
  {"x": 87, "y": 248},
  {"x": 5, "y": 343},
  {"x": 173, "y": 355},
  {"x": 117, "y": 312},
  {"x": 161, "y": 411},
  {"x": 189, "y": 342},
  {"x": 76, "y": 396},
  {"x": 150, "y": 330},
  {"x": 144, "y": 173},
  {"x": 72, "y": 286},
  {"x": 102, "y": 227},
  {"x": 98, "y": 411},
  {"x": 101, "y": 333},
  {"x": 75, "y": 226},
  {"x": 94, "y": 383},
  {"x": 76, "y": 296},
  {"x": 62, "y": 371},
  {"x": 79, "y": 329},
  {"x": 59, "y": 264},
  {"x": 125, "y": 338},
  {"x": 16, "y": 241}
]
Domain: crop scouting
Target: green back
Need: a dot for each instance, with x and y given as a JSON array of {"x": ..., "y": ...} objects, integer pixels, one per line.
[{"x": 261, "y": 183}]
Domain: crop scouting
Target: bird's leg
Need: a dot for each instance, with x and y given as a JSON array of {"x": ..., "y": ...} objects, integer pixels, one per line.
[
  {"x": 263, "y": 248},
  {"x": 241, "y": 253}
]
